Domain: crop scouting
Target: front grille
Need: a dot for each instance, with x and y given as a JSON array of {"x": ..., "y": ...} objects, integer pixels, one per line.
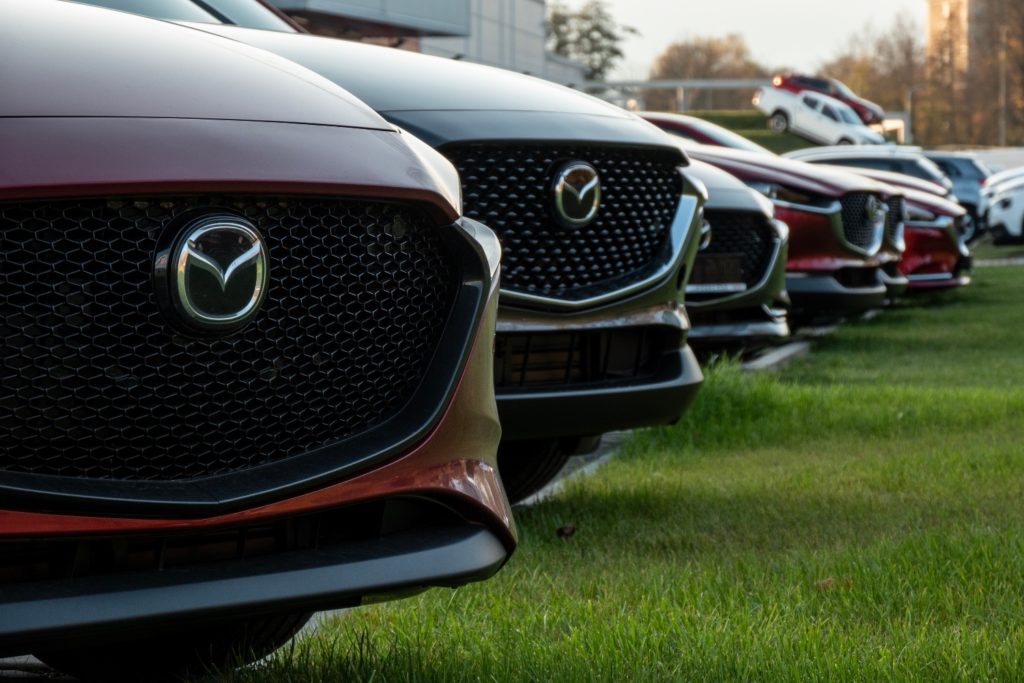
[
  {"x": 96, "y": 384},
  {"x": 894, "y": 221},
  {"x": 583, "y": 358},
  {"x": 741, "y": 237},
  {"x": 858, "y": 229},
  {"x": 509, "y": 188}
]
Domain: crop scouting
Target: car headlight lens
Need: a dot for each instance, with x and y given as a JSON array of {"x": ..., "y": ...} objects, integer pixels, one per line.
[{"x": 775, "y": 191}]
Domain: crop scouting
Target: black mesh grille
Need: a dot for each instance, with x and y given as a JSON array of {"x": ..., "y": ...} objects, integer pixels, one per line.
[
  {"x": 743, "y": 235},
  {"x": 510, "y": 189},
  {"x": 894, "y": 220},
  {"x": 858, "y": 228},
  {"x": 95, "y": 384},
  {"x": 580, "y": 358}
]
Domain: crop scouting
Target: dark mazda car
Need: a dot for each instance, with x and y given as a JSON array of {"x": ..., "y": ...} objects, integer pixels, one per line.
[
  {"x": 247, "y": 351},
  {"x": 736, "y": 296},
  {"x": 598, "y": 227}
]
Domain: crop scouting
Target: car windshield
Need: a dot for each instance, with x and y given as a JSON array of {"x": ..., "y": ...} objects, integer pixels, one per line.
[
  {"x": 932, "y": 171},
  {"x": 848, "y": 115},
  {"x": 247, "y": 13},
  {"x": 727, "y": 138},
  {"x": 983, "y": 169}
]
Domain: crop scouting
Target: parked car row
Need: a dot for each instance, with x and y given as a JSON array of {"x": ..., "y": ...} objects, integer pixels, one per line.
[
  {"x": 290, "y": 321},
  {"x": 888, "y": 234}
]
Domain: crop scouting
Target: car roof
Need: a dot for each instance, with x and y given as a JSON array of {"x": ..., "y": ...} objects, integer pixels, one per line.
[{"x": 827, "y": 99}]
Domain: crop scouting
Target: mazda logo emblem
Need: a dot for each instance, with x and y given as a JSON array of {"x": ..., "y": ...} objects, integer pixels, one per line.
[
  {"x": 577, "y": 194},
  {"x": 216, "y": 271},
  {"x": 875, "y": 210}
]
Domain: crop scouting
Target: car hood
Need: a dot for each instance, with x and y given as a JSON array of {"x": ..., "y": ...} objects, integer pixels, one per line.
[
  {"x": 82, "y": 61},
  {"x": 891, "y": 178},
  {"x": 937, "y": 205},
  {"x": 446, "y": 100},
  {"x": 725, "y": 191},
  {"x": 1009, "y": 186},
  {"x": 869, "y": 105},
  {"x": 774, "y": 169}
]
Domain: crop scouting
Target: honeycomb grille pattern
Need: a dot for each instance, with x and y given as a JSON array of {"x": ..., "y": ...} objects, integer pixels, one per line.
[
  {"x": 509, "y": 188},
  {"x": 894, "y": 221},
  {"x": 95, "y": 384},
  {"x": 858, "y": 228},
  {"x": 742, "y": 234}
]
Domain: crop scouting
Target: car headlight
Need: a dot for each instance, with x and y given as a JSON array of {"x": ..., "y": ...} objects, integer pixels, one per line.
[
  {"x": 777, "y": 192},
  {"x": 1005, "y": 203}
]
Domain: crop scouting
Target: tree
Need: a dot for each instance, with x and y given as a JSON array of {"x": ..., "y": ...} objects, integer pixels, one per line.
[
  {"x": 589, "y": 35},
  {"x": 884, "y": 67},
  {"x": 719, "y": 57}
]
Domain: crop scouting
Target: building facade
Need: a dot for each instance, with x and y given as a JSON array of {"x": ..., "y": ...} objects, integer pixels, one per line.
[{"x": 510, "y": 34}]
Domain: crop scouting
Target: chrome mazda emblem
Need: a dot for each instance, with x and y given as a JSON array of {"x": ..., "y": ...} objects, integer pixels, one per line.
[
  {"x": 875, "y": 210},
  {"x": 577, "y": 191},
  {"x": 219, "y": 272}
]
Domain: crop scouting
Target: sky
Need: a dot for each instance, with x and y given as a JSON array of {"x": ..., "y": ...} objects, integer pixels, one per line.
[{"x": 796, "y": 33}]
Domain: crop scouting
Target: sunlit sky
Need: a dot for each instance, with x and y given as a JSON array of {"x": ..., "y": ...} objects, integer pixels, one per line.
[{"x": 797, "y": 33}]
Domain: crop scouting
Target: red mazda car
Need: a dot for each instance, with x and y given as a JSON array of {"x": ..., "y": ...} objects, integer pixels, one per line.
[
  {"x": 717, "y": 140},
  {"x": 869, "y": 112},
  {"x": 936, "y": 257},
  {"x": 247, "y": 351}
]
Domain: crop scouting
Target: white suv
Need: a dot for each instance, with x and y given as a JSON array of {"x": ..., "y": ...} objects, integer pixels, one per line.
[
  {"x": 1006, "y": 212},
  {"x": 819, "y": 118}
]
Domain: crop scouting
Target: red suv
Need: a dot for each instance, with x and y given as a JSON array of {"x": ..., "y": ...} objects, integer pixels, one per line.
[
  {"x": 246, "y": 368},
  {"x": 869, "y": 112}
]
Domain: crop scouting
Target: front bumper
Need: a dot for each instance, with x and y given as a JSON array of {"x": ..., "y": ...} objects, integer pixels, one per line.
[
  {"x": 825, "y": 293},
  {"x": 604, "y": 404},
  {"x": 591, "y": 411},
  {"x": 936, "y": 257},
  {"x": 762, "y": 325},
  {"x": 452, "y": 468},
  {"x": 78, "y": 612},
  {"x": 751, "y": 316}
]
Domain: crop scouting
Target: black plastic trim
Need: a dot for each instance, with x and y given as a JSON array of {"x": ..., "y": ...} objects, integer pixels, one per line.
[
  {"x": 78, "y": 612},
  {"x": 579, "y": 412},
  {"x": 247, "y": 488},
  {"x": 814, "y": 292}
]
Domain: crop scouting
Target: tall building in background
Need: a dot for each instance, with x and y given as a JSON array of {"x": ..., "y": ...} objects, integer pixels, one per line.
[
  {"x": 954, "y": 35},
  {"x": 505, "y": 33}
]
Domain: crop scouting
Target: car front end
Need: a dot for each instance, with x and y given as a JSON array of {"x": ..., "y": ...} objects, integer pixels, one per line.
[
  {"x": 1005, "y": 215},
  {"x": 736, "y": 294},
  {"x": 247, "y": 368},
  {"x": 836, "y": 223},
  {"x": 936, "y": 257},
  {"x": 598, "y": 227}
]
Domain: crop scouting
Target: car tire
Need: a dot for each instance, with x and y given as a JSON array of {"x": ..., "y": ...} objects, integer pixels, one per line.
[
  {"x": 845, "y": 141},
  {"x": 528, "y": 466},
  {"x": 175, "y": 656},
  {"x": 779, "y": 122}
]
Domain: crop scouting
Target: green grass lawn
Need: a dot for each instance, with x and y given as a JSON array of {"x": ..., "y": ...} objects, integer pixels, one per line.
[{"x": 857, "y": 516}]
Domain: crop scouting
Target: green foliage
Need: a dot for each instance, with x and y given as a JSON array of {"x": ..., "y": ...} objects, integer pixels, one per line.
[
  {"x": 589, "y": 35},
  {"x": 855, "y": 517}
]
